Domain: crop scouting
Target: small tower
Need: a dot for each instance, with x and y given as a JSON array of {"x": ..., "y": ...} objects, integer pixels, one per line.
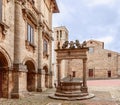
[{"x": 60, "y": 36}]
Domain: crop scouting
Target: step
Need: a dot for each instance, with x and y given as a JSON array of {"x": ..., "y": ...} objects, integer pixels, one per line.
[{"x": 70, "y": 95}]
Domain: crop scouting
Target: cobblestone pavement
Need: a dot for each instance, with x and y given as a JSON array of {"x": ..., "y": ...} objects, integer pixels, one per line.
[{"x": 109, "y": 95}]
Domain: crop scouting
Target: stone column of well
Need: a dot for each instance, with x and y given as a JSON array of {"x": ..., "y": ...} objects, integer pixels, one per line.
[
  {"x": 41, "y": 72},
  {"x": 59, "y": 71},
  {"x": 19, "y": 72},
  {"x": 84, "y": 88},
  {"x": 69, "y": 68}
]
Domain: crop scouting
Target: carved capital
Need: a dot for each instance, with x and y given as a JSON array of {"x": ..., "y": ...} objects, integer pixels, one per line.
[
  {"x": 31, "y": 2},
  {"x": 21, "y": 1},
  {"x": 3, "y": 30},
  {"x": 41, "y": 25}
]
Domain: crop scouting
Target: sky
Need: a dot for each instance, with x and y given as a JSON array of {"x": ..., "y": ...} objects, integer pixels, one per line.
[{"x": 91, "y": 19}]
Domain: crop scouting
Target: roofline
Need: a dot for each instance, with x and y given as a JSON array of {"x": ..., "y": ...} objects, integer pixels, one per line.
[
  {"x": 56, "y": 9},
  {"x": 61, "y": 27},
  {"x": 112, "y": 51}
]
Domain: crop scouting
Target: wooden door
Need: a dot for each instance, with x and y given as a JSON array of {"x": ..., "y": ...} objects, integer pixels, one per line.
[
  {"x": 109, "y": 73},
  {"x": 90, "y": 72}
]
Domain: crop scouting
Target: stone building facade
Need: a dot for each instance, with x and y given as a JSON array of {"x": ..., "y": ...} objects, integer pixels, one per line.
[
  {"x": 25, "y": 46},
  {"x": 101, "y": 63}
]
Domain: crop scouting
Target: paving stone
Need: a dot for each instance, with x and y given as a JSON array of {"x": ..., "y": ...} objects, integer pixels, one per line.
[
  {"x": 103, "y": 96},
  {"x": 53, "y": 103}
]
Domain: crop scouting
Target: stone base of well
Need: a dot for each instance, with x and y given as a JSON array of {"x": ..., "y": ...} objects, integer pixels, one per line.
[
  {"x": 88, "y": 96},
  {"x": 71, "y": 90}
]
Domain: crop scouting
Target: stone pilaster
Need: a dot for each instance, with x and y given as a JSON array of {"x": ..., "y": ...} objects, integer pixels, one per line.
[
  {"x": 19, "y": 81},
  {"x": 41, "y": 73},
  {"x": 40, "y": 46},
  {"x": 41, "y": 80},
  {"x": 50, "y": 66},
  {"x": 19, "y": 26}
]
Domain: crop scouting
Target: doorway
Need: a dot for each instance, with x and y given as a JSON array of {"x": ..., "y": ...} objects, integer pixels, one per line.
[
  {"x": 90, "y": 72},
  {"x": 3, "y": 67},
  {"x": 109, "y": 74},
  {"x": 30, "y": 76},
  {"x": 46, "y": 76}
]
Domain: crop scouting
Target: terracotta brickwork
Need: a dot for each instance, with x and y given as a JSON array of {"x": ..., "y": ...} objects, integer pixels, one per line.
[{"x": 25, "y": 60}]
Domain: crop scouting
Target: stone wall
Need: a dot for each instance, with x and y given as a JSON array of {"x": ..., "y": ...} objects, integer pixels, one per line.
[
  {"x": 99, "y": 61},
  {"x": 14, "y": 17}
]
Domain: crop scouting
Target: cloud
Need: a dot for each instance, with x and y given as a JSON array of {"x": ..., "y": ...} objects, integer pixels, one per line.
[
  {"x": 84, "y": 19},
  {"x": 64, "y": 15},
  {"x": 106, "y": 39},
  {"x": 93, "y": 3}
]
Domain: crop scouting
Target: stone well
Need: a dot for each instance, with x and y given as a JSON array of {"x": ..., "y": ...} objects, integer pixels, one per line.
[{"x": 70, "y": 89}]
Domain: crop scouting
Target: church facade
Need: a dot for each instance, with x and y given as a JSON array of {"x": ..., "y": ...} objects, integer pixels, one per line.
[{"x": 25, "y": 46}]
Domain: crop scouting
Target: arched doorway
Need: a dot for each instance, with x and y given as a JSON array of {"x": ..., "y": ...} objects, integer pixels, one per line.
[
  {"x": 30, "y": 76},
  {"x": 46, "y": 76},
  {"x": 3, "y": 67}
]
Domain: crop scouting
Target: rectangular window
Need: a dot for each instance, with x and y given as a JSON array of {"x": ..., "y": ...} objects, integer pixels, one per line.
[
  {"x": 60, "y": 34},
  {"x": 109, "y": 73},
  {"x": 91, "y": 50},
  {"x": 57, "y": 35},
  {"x": 30, "y": 33},
  {"x": 90, "y": 72},
  {"x": 74, "y": 73},
  {"x": 45, "y": 46}
]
